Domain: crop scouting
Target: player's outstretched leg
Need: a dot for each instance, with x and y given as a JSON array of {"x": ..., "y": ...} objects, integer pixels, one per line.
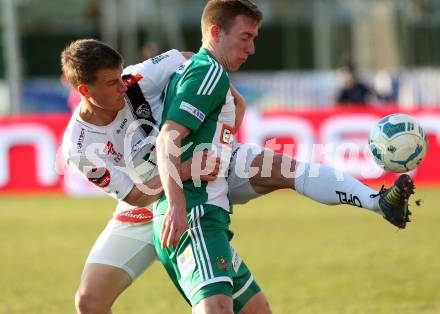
[
  {"x": 319, "y": 182},
  {"x": 394, "y": 201}
]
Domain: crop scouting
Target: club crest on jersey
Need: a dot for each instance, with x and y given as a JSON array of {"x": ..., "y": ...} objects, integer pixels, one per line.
[
  {"x": 143, "y": 111},
  {"x": 226, "y": 135},
  {"x": 99, "y": 177},
  {"x": 222, "y": 263}
]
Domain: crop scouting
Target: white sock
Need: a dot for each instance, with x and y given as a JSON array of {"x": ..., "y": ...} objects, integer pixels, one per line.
[{"x": 329, "y": 186}]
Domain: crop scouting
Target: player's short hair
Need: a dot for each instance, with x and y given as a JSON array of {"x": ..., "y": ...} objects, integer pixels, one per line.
[
  {"x": 81, "y": 60},
  {"x": 223, "y": 13}
]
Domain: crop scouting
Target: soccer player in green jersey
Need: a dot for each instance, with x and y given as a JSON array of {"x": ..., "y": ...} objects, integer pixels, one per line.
[{"x": 191, "y": 225}]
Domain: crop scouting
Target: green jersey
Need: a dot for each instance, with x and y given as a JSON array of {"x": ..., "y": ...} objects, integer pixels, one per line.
[{"x": 198, "y": 97}]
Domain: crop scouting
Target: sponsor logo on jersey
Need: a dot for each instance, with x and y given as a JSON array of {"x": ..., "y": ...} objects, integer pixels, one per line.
[
  {"x": 132, "y": 79},
  {"x": 136, "y": 147},
  {"x": 183, "y": 67},
  {"x": 122, "y": 126},
  {"x": 79, "y": 143},
  {"x": 349, "y": 199},
  {"x": 109, "y": 149},
  {"x": 180, "y": 69},
  {"x": 186, "y": 262},
  {"x": 99, "y": 177},
  {"x": 143, "y": 111},
  {"x": 159, "y": 58},
  {"x": 139, "y": 215},
  {"x": 192, "y": 110},
  {"x": 236, "y": 260},
  {"x": 226, "y": 135}
]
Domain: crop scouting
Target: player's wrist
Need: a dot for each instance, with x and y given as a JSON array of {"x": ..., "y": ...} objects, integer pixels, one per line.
[{"x": 177, "y": 203}]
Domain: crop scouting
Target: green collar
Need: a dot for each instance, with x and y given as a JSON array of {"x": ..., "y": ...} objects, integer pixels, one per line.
[{"x": 205, "y": 51}]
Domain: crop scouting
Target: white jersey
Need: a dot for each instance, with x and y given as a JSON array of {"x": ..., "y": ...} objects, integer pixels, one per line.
[{"x": 117, "y": 155}]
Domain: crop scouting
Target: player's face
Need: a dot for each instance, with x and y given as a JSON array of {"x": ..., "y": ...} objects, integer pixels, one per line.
[
  {"x": 238, "y": 43},
  {"x": 108, "y": 91}
]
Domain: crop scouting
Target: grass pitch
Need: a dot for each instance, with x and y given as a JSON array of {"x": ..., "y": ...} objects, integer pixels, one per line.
[{"x": 307, "y": 257}]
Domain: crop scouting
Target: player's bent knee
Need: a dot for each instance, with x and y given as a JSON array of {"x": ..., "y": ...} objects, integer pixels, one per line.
[
  {"x": 220, "y": 304},
  {"x": 283, "y": 167},
  {"x": 88, "y": 303},
  {"x": 258, "y": 304},
  {"x": 275, "y": 175}
]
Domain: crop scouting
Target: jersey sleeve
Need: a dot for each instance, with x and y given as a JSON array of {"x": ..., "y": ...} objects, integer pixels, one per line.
[
  {"x": 200, "y": 92},
  {"x": 153, "y": 74},
  {"x": 100, "y": 171}
]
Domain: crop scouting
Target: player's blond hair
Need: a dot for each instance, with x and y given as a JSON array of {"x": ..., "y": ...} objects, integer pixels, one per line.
[
  {"x": 81, "y": 60},
  {"x": 223, "y": 13}
]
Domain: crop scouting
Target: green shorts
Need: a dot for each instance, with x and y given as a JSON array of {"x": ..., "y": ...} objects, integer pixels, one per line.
[{"x": 204, "y": 263}]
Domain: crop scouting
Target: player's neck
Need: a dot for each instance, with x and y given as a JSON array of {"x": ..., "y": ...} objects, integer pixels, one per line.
[
  {"x": 208, "y": 46},
  {"x": 96, "y": 115}
]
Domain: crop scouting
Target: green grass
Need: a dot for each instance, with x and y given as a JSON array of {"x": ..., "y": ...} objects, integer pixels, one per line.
[{"x": 308, "y": 258}]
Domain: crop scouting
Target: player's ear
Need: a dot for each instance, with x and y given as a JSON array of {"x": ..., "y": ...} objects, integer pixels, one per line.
[
  {"x": 215, "y": 32},
  {"x": 84, "y": 90}
]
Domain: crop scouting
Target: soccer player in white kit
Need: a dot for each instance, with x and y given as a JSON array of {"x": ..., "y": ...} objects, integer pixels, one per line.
[{"x": 110, "y": 139}]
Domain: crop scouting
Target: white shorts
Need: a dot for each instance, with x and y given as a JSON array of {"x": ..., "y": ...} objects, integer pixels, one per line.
[
  {"x": 129, "y": 246},
  {"x": 125, "y": 245},
  {"x": 240, "y": 189}
]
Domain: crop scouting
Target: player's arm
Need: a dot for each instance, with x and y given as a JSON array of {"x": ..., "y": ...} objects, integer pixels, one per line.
[
  {"x": 99, "y": 169},
  {"x": 240, "y": 107},
  {"x": 151, "y": 190},
  {"x": 195, "y": 99},
  {"x": 144, "y": 194},
  {"x": 168, "y": 156}
]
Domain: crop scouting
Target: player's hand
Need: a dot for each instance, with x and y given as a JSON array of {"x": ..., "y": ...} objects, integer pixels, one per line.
[{"x": 174, "y": 225}]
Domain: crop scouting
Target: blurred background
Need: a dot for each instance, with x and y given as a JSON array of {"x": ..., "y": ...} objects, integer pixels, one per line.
[
  {"x": 393, "y": 44},
  {"x": 324, "y": 72}
]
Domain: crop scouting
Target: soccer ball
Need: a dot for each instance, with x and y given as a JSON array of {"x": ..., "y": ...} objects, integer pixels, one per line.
[{"x": 398, "y": 143}]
